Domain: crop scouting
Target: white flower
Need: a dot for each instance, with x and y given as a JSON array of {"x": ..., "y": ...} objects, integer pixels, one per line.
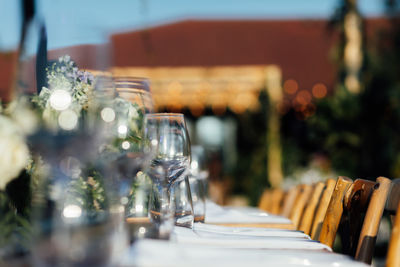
[
  {"x": 25, "y": 119},
  {"x": 14, "y": 151}
]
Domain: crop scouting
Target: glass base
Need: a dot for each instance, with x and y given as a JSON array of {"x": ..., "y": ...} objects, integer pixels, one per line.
[{"x": 184, "y": 221}]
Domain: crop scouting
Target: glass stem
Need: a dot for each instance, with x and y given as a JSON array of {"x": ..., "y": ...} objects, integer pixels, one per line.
[{"x": 189, "y": 193}]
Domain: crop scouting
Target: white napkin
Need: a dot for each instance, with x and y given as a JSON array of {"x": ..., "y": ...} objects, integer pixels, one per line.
[
  {"x": 188, "y": 236},
  {"x": 248, "y": 231},
  {"x": 218, "y": 214}
]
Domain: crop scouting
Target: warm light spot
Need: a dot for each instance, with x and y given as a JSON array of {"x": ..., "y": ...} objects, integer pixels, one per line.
[
  {"x": 197, "y": 110},
  {"x": 319, "y": 90},
  {"x": 290, "y": 86},
  {"x": 175, "y": 88},
  {"x": 303, "y": 97},
  {"x": 60, "y": 99},
  {"x": 352, "y": 84},
  {"x": 68, "y": 120}
]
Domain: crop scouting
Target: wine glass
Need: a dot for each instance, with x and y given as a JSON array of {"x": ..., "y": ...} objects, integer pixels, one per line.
[
  {"x": 127, "y": 154},
  {"x": 136, "y": 90},
  {"x": 168, "y": 138}
]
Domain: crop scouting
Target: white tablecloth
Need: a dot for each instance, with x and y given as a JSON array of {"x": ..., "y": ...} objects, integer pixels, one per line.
[
  {"x": 163, "y": 253},
  {"x": 210, "y": 245}
]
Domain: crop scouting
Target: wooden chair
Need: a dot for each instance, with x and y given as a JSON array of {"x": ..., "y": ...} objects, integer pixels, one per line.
[
  {"x": 355, "y": 203},
  {"x": 384, "y": 196},
  {"x": 309, "y": 212},
  {"x": 289, "y": 201},
  {"x": 393, "y": 256},
  {"x": 355, "y": 198},
  {"x": 276, "y": 201},
  {"x": 271, "y": 201},
  {"x": 334, "y": 211},
  {"x": 304, "y": 194},
  {"x": 321, "y": 209},
  {"x": 265, "y": 200}
]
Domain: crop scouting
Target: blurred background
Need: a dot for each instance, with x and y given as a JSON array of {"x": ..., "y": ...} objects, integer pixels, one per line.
[{"x": 278, "y": 92}]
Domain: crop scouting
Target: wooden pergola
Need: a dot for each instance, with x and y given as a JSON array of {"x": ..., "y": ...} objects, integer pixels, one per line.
[{"x": 217, "y": 87}]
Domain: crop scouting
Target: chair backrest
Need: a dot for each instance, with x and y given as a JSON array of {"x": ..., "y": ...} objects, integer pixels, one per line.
[
  {"x": 334, "y": 211},
  {"x": 393, "y": 256},
  {"x": 375, "y": 199},
  {"x": 321, "y": 209},
  {"x": 289, "y": 201},
  {"x": 301, "y": 200},
  {"x": 265, "y": 200},
  {"x": 393, "y": 197},
  {"x": 276, "y": 202},
  {"x": 309, "y": 212},
  {"x": 356, "y": 201},
  {"x": 369, "y": 231}
]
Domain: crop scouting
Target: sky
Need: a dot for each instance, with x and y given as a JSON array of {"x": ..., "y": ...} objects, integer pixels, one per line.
[{"x": 71, "y": 22}]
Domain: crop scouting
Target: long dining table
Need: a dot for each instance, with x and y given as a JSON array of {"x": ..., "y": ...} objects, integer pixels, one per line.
[{"x": 236, "y": 236}]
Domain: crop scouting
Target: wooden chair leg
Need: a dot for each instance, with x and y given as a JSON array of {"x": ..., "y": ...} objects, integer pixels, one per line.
[
  {"x": 308, "y": 215},
  {"x": 366, "y": 242},
  {"x": 393, "y": 256},
  {"x": 334, "y": 211},
  {"x": 289, "y": 201},
  {"x": 321, "y": 209},
  {"x": 298, "y": 208}
]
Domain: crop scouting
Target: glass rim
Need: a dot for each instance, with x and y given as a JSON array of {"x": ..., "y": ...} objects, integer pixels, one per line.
[
  {"x": 130, "y": 79},
  {"x": 164, "y": 115}
]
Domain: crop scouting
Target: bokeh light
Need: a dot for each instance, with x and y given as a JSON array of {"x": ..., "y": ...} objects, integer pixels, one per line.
[
  {"x": 68, "y": 120},
  {"x": 319, "y": 90},
  {"x": 60, "y": 99},
  {"x": 290, "y": 86}
]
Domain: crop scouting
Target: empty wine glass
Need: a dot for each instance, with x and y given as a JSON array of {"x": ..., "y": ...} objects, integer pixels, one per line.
[
  {"x": 126, "y": 155},
  {"x": 169, "y": 140},
  {"x": 135, "y": 90}
]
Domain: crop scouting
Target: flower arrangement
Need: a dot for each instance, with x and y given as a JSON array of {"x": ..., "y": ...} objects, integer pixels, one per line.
[{"x": 70, "y": 93}]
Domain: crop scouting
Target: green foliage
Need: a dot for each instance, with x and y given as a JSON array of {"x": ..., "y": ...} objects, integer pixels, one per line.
[
  {"x": 359, "y": 132},
  {"x": 15, "y": 227},
  {"x": 88, "y": 193}
]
